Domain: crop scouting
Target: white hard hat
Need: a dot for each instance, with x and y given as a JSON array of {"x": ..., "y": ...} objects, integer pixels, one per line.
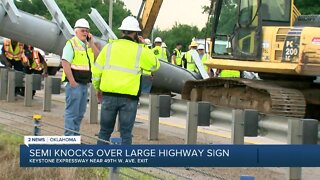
[
  {"x": 163, "y": 45},
  {"x": 158, "y": 39},
  {"x": 82, "y": 23},
  {"x": 130, "y": 23},
  {"x": 148, "y": 42},
  {"x": 200, "y": 46}
]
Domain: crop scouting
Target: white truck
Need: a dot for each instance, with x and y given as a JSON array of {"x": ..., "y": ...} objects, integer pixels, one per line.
[{"x": 53, "y": 63}]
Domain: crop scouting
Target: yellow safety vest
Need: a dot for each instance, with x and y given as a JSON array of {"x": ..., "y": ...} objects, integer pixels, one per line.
[
  {"x": 80, "y": 64},
  {"x": 229, "y": 73},
  {"x": 191, "y": 66},
  {"x": 203, "y": 60},
  {"x": 119, "y": 65},
  {"x": 160, "y": 53},
  {"x": 16, "y": 54},
  {"x": 145, "y": 72},
  {"x": 178, "y": 57}
]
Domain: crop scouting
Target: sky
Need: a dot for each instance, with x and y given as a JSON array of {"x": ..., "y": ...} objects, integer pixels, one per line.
[{"x": 180, "y": 11}]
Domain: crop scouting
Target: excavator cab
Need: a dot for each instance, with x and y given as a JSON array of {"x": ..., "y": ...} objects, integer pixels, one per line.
[{"x": 239, "y": 24}]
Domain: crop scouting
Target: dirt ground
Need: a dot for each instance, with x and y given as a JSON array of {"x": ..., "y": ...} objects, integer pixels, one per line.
[{"x": 52, "y": 123}]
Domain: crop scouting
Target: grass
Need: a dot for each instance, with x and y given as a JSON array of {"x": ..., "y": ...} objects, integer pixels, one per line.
[{"x": 10, "y": 168}]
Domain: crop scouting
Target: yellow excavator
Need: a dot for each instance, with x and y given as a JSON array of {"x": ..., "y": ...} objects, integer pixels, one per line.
[{"x": 271, "y": 38}]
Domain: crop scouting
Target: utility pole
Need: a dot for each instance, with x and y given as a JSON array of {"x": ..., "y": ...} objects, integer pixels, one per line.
[{"x": 110, "y": 13}]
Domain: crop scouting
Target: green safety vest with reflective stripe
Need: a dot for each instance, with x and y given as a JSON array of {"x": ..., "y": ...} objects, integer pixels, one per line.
[
  {"x": 160, "y": 53},
  {"x": 119, "y": 65},
  {"x": 80, "y": 64},
  {"x": 191, "y": 66},
  {"x": 229, "y": 73},
  {"x": 178, "y": 57},
  {"x": 36, "y": 63},
  {"x": 13, "y": 54}
]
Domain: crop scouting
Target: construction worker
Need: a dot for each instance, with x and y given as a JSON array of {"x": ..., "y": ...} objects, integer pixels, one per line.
[
  {"x": 148, "y": 43},
  {"x": 77, "y": 59},
  {"x": 158, "y": 50},
  {"x": 117, "y": 76},
  {"x": 146, "y": 78},
  {"x": 176, "y": 57},
  {"x": 189, "y": 63},
  {"x": 12, "y": 55},
  {"x": 164, "y": 49},
  {"x": 35, "y": 64},
  {"x": 203, "y": 56}
]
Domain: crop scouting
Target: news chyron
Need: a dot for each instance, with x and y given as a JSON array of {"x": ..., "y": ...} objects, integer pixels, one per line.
[{"x": 67, "y": 151}]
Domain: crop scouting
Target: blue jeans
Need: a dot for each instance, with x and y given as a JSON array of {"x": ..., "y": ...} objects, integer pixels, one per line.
[
  {"x": 146, "y": 84},
  {"x": 111, "y": 106},
  {"x": 76, "y": 105}
]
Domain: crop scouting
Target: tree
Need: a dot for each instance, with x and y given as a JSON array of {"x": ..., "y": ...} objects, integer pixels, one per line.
[
  {"x": 75, "y": 9},
  {"x": 308, "y": 6},
  {"x": 33, "y": 7},
  {"x": 178, "y": 33}
]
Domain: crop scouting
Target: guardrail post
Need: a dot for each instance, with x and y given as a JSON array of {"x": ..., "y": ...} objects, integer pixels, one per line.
[
  {"x": 36, "y": 81},
  {"x": 114, "y": 171},
  {"x": 237, "y": 134},
  {"x": 251, "y": 120},
  {"x": 36, "y": 124},
  {"x": 192, "y": 123},
  {"x": 11, "y": 86},
  {"x": 203, "y": 114},
  {"x": 47, "y": 94},
  {"x": 93, "y": 103},
  {"x": 55, "y": 85},
  {"x": 28, "y": 90},
  {"x": 310, "y": 131},
  {"x": 153, "y": 130},
  {"x": 164, "y": 105},
  {"x": 303, "y": 131},
  {"x": 3, "y": 83},
  {"x": 294, "y": 137}
]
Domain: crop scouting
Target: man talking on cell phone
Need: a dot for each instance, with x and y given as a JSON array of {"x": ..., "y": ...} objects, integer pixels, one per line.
[{"x": 78, "y": 57}]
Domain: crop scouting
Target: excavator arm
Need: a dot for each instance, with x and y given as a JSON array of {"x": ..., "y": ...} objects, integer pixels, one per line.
[{"x": 150, "y": 13}]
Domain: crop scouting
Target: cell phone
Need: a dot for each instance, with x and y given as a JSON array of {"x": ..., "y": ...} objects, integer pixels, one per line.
[
  {"x": 88, "y": 39},
  {"x": 136, "y": 38}
]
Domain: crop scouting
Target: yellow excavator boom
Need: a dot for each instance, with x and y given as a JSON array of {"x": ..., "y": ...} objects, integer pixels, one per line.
[{"x": 149, "y": 16}]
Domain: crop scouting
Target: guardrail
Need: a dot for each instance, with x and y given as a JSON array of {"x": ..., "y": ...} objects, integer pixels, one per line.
[
  {"x": 241, "y": 122},
  {"x": 11, "y": 79},
  {"x": 271, "y": 126}
]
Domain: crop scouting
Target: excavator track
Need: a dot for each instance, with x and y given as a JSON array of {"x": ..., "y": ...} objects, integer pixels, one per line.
[{"x": 247, "y": 94}]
